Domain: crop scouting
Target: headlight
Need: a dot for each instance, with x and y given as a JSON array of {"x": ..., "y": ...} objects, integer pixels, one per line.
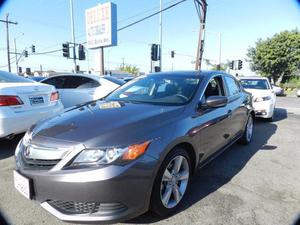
[
  {"x": 27, "y": 138},
  {"x": 260, "y": 99},
  {"x": 109, "y": 155}
]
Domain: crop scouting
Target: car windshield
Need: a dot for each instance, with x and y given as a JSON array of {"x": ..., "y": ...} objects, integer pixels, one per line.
[
  {"x": 157, "y": 89},
  {"x": 255, "y": 84},
  {"x": 6, "y": 77}
]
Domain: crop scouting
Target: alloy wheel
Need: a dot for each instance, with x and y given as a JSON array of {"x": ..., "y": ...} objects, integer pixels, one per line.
[{"x": 174, "y": 181}]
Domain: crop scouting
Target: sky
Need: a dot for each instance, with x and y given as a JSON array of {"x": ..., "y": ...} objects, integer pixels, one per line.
[{"x": 46, "y": 24}]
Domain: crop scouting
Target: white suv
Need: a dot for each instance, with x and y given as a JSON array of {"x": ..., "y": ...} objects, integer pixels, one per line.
[{"x": 264, "y": 98}]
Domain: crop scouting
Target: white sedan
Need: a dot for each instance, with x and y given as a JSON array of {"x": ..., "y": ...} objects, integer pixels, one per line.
[
  {"x": 298, "y": 93},
  {"x": 264, "y": 98},
  {"x": 24, "y": 102},
  {"x": 80, "y": 88}
]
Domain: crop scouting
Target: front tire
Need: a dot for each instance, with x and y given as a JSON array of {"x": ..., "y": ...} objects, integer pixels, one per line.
[
  {"x": 248, "y": 133},
  {"x": 171, "y": 183}
]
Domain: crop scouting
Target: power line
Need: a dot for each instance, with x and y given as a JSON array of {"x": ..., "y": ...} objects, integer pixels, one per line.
[{"x": 153, "y": 14}]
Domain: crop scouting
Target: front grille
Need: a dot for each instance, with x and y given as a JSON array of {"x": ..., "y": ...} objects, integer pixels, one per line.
[
  {"x": 40, "y": 163},
  {"x": 71, "y": 207}
]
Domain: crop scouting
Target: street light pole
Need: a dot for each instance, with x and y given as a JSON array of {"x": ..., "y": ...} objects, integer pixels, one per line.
[{"x": 73, "y": 35}]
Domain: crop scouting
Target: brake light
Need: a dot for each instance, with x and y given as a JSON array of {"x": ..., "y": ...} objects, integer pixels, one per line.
[
  {"x": 9, "y": 100},
  {"x": 54, "y": 96}
]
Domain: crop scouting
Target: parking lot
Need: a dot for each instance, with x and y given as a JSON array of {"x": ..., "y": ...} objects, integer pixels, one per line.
[{"x": 254, "y": 184}]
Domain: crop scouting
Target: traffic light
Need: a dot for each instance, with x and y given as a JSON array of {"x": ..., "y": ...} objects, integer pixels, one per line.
[
  {"x": 33, "y": 48},
  {"x": 172, "y": 54},
  {"x": 81, "y": 52},
  {"x": 240, "y": 64},
  {"x": 20, "y": 69},
  {"x": 154, "y": 52},
  {"x": 26, "y": 53},
  {"x": 66, "y": 50},
  {"x": 231, "y": 64}
]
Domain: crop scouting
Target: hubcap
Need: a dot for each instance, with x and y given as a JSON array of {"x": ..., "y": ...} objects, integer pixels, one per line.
[
  {"x": 174, "y": 181},
  {"x": 249, "y": 128}
]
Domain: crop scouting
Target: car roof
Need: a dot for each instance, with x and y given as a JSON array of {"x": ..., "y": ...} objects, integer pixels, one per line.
[
  {"x": 92, "y": 76},
  {"x": 191, "y": 73},
  {"x": 253, "y": 78}
]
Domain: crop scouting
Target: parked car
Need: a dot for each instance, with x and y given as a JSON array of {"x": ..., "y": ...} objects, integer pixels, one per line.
[
  {"x": 76, "y": 89},
  {"x": 264, "y": 98},
  {"x": 298, "y": 93},
  {"x": 113, "y": 159},
  {"x": 23, "y": 102},
  {"x": 278, "y": 90}
]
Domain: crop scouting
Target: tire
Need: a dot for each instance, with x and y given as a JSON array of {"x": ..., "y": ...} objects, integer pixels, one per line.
[
  {"x": 161, "y": 189},
  {"x": 247, "y": 137}
]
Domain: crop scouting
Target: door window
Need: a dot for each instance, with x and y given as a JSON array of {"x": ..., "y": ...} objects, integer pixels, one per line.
[
  {"x": 232, "y": 86},
  {"x": 214, "y": 87}
]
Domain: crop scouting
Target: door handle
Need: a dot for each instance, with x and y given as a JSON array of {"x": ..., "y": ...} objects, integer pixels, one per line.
[{"x": 229, "y": 113}]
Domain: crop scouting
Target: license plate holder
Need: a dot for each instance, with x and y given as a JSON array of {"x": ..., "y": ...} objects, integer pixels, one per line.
[
  {"x": 36, "y": 100},
  {"x": 23, "y": 185}
]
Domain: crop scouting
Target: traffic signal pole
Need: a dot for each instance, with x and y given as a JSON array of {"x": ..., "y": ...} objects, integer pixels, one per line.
[
  {"x": 73, "y": 35},
  {"x": 200, "y": 48}
]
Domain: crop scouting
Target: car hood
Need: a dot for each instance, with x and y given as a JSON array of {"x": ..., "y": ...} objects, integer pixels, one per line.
[
  {"x": 105, "y": 124},
  {"x": 259, "y": 93}
]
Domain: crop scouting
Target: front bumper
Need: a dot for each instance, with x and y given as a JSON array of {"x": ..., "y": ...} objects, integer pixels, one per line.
[
  {"x": 264, "y": 109},
  {"x": 109, "y": 194}
]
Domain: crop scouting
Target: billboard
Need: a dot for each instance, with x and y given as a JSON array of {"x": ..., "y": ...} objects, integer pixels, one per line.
[{"x": 101, "y": 25}]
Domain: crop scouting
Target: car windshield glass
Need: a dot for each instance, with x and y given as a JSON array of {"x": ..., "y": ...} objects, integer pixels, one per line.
[
  {"x": 157, "y": 89},
  {"x": 6, "y": 77},
  {"x": 255, "y": 84}
]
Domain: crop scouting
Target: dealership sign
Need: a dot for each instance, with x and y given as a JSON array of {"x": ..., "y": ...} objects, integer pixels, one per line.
[{"x": 101, "y": 25}]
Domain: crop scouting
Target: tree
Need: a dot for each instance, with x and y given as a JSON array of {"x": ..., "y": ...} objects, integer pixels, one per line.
[
  {"x": 277, "y": 57},
  {"x": 213, "y": 66},
  {"x": 129, "y": 69}
]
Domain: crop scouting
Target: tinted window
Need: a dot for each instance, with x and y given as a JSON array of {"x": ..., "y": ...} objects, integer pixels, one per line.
[
  {"x": 6, "y": 77},
  {"x": 57, "y": 82},
  {"x": 80, "y": 82},
  {"x": 255, "y": 84},
  {"x": 114, "y": 80},
  {"x": 157, "y": 89},
  {"x": 232, "y": 86}
]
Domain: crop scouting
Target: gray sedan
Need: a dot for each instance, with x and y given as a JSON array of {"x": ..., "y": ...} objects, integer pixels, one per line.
[{"x": 113, "y": 159}]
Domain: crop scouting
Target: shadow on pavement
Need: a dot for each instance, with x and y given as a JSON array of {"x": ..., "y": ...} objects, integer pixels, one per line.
[
  {"x": 8, "y": 147},
  {"x": 221, "y": 170}
]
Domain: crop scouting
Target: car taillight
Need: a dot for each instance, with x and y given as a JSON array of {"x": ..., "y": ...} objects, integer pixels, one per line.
[
  {"x": 54, "y": 96},
  {"x": 9, "y": 100}
]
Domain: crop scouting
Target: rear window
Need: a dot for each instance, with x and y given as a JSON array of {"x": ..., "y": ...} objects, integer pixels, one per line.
[{"x": 6, "y": 77}]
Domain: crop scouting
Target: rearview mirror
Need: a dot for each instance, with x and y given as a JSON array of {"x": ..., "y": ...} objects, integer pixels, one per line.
[{"x": 216, "y": 101}]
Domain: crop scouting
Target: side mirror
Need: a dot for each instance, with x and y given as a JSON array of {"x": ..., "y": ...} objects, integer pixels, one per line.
[{"x": 216, "y": 101}]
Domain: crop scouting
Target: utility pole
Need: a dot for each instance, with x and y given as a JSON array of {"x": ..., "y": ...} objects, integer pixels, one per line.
[
  {"x": 202, "y": 14},
  {"x": 16, "y": 52},
  {"x": 102, "y": 72},
  {"x": 7, "y": 39},
  {"x": 219, "y": 35},
  {"x": 160, "y": 36},
  {"x": 73, "y": 35}
]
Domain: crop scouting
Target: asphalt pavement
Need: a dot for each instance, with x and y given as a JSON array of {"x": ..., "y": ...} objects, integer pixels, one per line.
[{"x": 257, "y": 184}]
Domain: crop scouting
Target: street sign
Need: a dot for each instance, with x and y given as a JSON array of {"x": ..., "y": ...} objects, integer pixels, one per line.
[{"x": 101, "y": 25}]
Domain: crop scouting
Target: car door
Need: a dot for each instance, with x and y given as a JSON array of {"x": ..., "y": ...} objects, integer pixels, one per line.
[
  {"x": 212, "y": 122},
  {"x": 78, "y": 89},
  {"x": 236, "y": 106}
]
